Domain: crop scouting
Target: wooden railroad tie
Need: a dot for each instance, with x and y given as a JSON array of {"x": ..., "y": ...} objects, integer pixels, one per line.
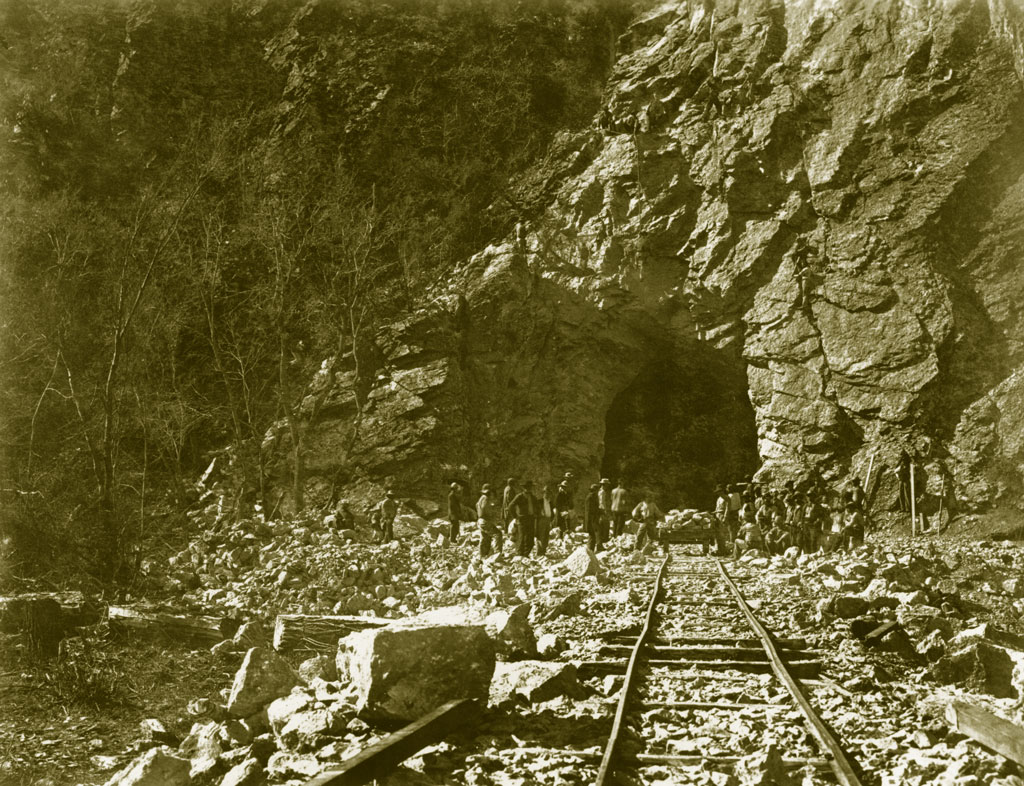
[
  {"x": 680, "y": 760},
  {"x": 386, "y": 754},
  {"x": 808, "y": 669},
  {"x": 708, "y": 653}
]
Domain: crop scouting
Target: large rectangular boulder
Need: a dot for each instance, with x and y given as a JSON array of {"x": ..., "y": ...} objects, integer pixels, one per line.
[{"x": 404, "y": 671}]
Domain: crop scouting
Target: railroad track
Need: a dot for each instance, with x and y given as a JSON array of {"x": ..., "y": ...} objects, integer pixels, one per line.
[{"x": 702, "y": 673}]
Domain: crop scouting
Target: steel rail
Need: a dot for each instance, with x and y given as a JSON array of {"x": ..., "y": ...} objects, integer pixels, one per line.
[
  {"x": 611, "y": 750},
  {"x": 841, "y": 764}
]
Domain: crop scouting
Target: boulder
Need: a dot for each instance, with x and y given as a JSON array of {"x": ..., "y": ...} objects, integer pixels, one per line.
[
  {"x": 932, "y": 646},
  {"x": 1014, "y": 588},
  {"x": 563, "y": 606},
  {"x": 402, "y": 672},
  {"x": 582, "y": 562},
  {"x": 512, "y": 633},
  {"x": 318, "y": 667},
  {"x": 154, "y": 731},
  {"x": 250, "y": 634},
  {"x": 247, "y": 773},
  {"x": 202, "y": 742},
  {"x": 534, "y": 681},
  {"x": 263, "y": 676},
  {"x": 980, "y": 667},
  {"x": 155, "y": 767}
]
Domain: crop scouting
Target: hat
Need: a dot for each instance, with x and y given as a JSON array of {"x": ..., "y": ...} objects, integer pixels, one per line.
[
  {"x": 389, "y": 493},
  {"x": 594, "y": 486},
  {"x": 455, "y": 486},
  {"x": 569, "y": 475},
  {"x": 563, "y": 485},
  {"x": 485, "y": 488},
  {"x": 605, "y": 482},
  {"x": 510, "y": 481}
]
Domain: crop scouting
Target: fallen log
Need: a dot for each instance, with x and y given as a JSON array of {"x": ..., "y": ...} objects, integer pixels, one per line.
[
  {"x": 990, "y": 730},
  {"x": 195, "y": 630},
  {"x": 319, "y": 632},
  {"x": 385, "y": 755}
]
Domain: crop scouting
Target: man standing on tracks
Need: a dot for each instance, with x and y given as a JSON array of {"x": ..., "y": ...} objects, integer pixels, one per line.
[
  {"x": 524, "y": 508},
  {"x": 723, "y": 536},
  {"x": 647, "y": 515},
  {"x": 592, "y": 518},
  {"x": 735, "y": 503},
  {"x": 620, "y": 508},
  {"x": 489, "y": 520}
]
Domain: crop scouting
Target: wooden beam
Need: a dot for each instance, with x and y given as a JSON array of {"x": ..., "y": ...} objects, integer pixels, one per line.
[
  {"x": 386, "y": 754},
  {"x": 682, "y": 760},
  {"x": 201, "y": 630},
  {"x": 731, "y": 706},
  {"x": 998, "y": 734}
]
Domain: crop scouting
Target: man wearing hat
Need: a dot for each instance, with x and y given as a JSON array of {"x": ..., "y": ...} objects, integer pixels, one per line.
[
  {"x": 620, "y": 509},
  {"x": 524, "y": 507},
  {"x": 388, "y": 511},
  {"x": 489, "y": 519},
  {"x": 455, "y": 513},
  {"x": 506, "y": 501},
  {"x": 604, "y": 504}
]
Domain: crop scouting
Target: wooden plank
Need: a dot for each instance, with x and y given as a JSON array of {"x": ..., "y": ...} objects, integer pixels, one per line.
[
  {"x": 614, "y": 637},
  {"x": 202, "y": 630},
  {"x": 318, "y": 632},
  {"x": 707, "y": 653},
  {"x": 876, "y": 635},
  {"x": 386, "y": 754},
  {"x": 731, "y": 706},
  {"x": 998, "y": 734},
  {"x": 842, "y": 766},
  {"x": 683, "y": 760},
  {"x": 808, "y": 669},
  {"x": 611, "y": 751}
]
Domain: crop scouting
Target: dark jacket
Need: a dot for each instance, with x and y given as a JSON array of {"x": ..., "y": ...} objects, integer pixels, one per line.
[
  {"x": 524, "y": 505},
  {"x": 592, "y": 511},
  {"x": 455, "y": 506},
  {"x": 563, "y": 500}
]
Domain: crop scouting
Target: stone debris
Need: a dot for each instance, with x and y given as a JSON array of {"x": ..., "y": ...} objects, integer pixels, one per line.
[
  {"x": 512, "y": 632},
  {"x": 156, "y": 767},
  {"x": 263, "y": 676},
  {"x": 534, "y": 681}
]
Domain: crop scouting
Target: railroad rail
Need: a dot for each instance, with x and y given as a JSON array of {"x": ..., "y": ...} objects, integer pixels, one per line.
[{"x": 723, "y": 635}]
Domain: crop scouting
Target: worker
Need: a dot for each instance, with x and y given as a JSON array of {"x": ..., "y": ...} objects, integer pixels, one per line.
[
  {"x": 604, "y": 504},
  {"x": 506, "y": 501},
  {"x": 735, "y": 503},
  {"x": 853, "y": 529},
  {"x": 749, "y": 536},
  {"x": 455, "y": 512},
  {"x": 545, "y": 513},
  {"x": 489, "y": 521},
  {"x": 620, "y": 509},
  {"x": 592, "y": 518},
  {"x": 722, "y": 534},
  {"x": 563, "y": 508},
  {"x": 388, "y": 511},
  {"x": 646, "y": 515},
  {"x": 525, "y": 507}
]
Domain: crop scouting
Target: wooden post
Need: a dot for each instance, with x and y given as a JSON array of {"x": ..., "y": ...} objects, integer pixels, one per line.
[
  {"x": 867, "y": 477},
  {"x": 913, "y": 502}
]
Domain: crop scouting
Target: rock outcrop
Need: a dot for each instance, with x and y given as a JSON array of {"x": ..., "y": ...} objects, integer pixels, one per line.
[{"x": 792, "y": 236}]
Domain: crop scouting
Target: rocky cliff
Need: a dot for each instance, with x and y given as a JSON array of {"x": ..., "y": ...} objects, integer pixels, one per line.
[{"x": 792, "y": 239}]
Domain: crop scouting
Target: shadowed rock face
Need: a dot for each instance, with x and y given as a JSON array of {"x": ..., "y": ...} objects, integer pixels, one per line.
[{"x": 799, "y": 221}]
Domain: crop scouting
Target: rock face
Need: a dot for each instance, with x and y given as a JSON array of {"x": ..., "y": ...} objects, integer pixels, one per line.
[
  {"x": 792, "y": 235},
  {"x": 402, "y": 672}
]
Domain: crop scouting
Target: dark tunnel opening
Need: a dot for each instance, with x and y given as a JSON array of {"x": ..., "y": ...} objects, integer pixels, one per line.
[{"x": 680, "y": 428}]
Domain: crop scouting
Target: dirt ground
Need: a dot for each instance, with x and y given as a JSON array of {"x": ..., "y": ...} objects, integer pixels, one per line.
[{"x": 72, "y": 721}]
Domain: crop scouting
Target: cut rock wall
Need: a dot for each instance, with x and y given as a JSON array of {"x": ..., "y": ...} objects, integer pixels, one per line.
[{"x": 817, "y": 204}]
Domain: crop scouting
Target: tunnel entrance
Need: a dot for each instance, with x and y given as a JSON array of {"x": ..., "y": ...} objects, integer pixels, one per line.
[{"x": 680, "y": 428}]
